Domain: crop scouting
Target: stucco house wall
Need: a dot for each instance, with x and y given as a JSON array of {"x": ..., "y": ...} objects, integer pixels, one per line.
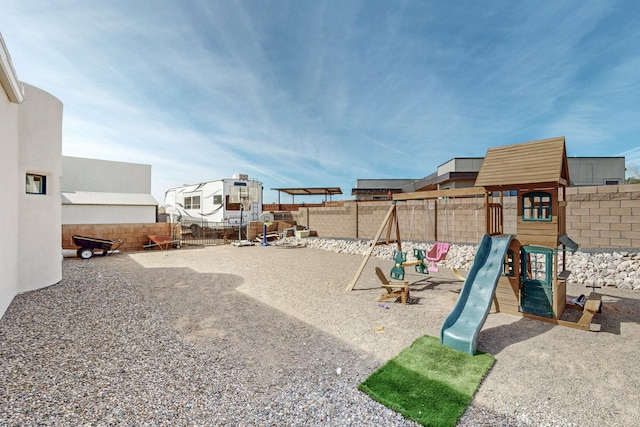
[
  {"x": 105, "y": 176},
  {"x": 31, "y": 135},
  {"x": 40, "y": 152},
  {"x": 10, "y": 212}
]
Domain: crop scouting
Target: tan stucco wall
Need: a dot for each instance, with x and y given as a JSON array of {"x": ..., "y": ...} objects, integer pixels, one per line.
[
  {"x": 31, "y": 135},
  {"x": 10, "y": 211}
]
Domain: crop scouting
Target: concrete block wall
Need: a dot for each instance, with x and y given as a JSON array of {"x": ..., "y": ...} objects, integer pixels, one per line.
[
  {"x": 370, "y": 217},
  {"x": 604, "y": 216},
  {"x": 135, "y": 235},
  {"x": 451, "y": 220},
  {"x": 268, "y": 207},
  {"x": 416, "y": 219},
  {"x": 597, "y": 217},
  {"x": 329, "y": 221},
  {"x": 301, "y": 217},
  {"x": 461, "y": 220}
]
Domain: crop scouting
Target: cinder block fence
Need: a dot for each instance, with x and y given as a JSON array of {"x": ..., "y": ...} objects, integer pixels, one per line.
[
  {"x": 135, "y": 235},
  {"x": 597, "y": 217}
]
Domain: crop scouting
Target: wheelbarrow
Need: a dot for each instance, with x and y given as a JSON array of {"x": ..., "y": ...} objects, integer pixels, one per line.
[
  {"x": 161, "y": 242},
  {"x": 88, "y": 244}
]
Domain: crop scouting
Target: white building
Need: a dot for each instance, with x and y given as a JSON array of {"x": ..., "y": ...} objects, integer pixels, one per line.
[
  {"x": 106, "y": 192},
  {"x": 31, "y": 139}
]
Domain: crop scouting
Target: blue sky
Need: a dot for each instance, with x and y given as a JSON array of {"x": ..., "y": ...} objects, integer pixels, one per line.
[{"x": 320, "y": 93}]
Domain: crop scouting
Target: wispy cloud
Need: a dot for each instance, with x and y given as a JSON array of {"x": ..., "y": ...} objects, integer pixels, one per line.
[{"x": 324, "y": 93}]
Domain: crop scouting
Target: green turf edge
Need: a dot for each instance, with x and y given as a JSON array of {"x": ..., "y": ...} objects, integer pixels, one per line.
[{"x": 429, "y": 383}]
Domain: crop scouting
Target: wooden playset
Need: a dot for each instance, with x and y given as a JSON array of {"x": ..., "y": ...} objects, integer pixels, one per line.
[
  {"x": 533, "y": 279},
  {"x": 533, "y": 283}
]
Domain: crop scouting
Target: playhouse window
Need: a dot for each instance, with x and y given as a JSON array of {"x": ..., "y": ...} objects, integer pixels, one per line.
[
  {"x": 36, "y": 184},
  {"x": 508, "y": 264},
  {"x": 536, "y": 206},
  {"x": 536, "y": 263},
  {"x": 192, "y": 202}
]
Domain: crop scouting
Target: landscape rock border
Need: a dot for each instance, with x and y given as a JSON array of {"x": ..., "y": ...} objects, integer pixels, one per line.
[{"x": 602, "y": 268}]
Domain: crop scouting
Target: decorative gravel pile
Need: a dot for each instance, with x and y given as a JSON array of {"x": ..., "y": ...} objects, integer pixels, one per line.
[
  {"x": 612, "y": 268},
  {"x": 94, "y": 350}
]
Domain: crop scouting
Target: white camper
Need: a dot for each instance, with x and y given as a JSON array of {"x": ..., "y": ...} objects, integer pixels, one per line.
[{"x": 216, "y": 203}]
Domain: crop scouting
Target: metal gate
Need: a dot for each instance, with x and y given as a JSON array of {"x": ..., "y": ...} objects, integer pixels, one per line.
[{"x": 206, "y": 233}]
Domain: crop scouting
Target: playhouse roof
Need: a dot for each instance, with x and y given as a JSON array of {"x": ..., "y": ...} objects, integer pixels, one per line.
[{"x": 535, "y": 162}]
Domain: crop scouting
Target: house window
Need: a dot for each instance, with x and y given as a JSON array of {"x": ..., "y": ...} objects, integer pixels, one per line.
[
  {"x": 611, "y": 181},
  {"x": 192, "y": 202},
  {"x": 217, "y": 199},
  {"x": 36, "y": 184},
  {"x": 536, "y": 206}
]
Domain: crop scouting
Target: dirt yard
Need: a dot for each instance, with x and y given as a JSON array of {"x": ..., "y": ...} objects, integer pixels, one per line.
[
  {"x": 588, "y": 378},
  {"x": 257, "y": 335}
]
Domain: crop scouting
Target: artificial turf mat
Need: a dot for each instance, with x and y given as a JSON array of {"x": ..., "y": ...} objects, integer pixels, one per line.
[{"x": 429, "y": 383}]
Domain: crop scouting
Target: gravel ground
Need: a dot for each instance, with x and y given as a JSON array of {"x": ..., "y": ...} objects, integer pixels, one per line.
[{"x": 255, "y": 336}]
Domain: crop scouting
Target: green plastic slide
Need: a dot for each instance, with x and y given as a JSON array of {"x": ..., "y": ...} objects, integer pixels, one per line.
[{"x": 461, "y": 327}]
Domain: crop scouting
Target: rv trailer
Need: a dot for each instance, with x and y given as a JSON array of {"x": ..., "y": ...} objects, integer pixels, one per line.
[{"x": 215, "y": 203}]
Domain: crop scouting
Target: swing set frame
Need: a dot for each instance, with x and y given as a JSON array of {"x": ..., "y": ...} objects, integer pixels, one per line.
[{"x": 391, "y": 219}]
